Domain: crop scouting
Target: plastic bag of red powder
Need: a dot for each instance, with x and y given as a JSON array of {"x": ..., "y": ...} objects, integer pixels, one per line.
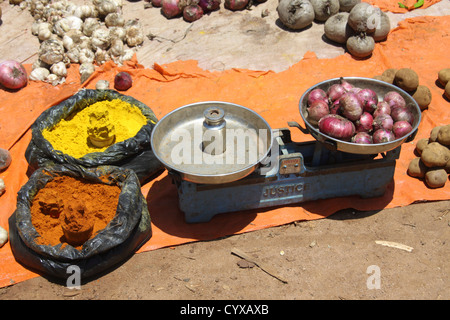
[{"x": 126, "y": 232}]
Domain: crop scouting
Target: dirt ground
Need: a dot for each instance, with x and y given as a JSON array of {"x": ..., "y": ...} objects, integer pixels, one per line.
[{"x": 333, "y": 258}]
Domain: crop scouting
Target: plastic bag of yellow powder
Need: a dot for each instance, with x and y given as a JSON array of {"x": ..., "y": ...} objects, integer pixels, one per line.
[{"x": 61, "y": 134}]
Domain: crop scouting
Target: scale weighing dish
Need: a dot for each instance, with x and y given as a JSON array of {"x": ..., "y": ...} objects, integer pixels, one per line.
[
  {"x": 186, "y": 141},
  {"x": 212, "y": 178}
]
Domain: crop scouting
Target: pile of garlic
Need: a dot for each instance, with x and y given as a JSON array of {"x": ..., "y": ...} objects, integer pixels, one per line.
[{"x": 88, "y": 34}]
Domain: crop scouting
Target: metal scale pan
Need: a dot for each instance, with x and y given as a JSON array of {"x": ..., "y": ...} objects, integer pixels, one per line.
[
  {"x": 211, "y": 142},
  {"x": 381, "y": 88}
]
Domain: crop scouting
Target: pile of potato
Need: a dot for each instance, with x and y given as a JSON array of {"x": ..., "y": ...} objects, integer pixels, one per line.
[
  {"x": 433, "y": 161},
  {"x": 408, "y": 80},
  {"x": 444, "y": 80}
]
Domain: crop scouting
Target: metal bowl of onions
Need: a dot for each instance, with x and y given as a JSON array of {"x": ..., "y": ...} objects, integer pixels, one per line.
[{"x": 365, "y": 99}]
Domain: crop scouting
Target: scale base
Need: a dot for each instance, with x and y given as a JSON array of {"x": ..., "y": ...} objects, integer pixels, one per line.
[{"x": 306, "y": 171}]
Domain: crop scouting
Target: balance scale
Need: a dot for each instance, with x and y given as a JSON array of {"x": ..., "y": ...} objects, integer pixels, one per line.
[{"x": 224, "y": 157}]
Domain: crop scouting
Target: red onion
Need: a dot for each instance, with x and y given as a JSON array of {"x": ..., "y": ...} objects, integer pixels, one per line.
[
  {"x": 383, "y": 121},
  {"x": 402, "y": 114},
  {"x": 171, "y": 8},
  {"x": 156, "y": 3},
  {"x": 209, "y": 5},
  {"x": 317, "y": 110},
  {"x": 362, "y": 138},
  {"x": 382, "y": 108},
  {"x": 355, "y": 90},
  {"x": 368, "y": 99},
  {"x": 350, "y": 106},
  {"x": 192, "y": 12},
  {"x": 394, "y": 99},
  {"x": 382, "y": 136},
  {"x": 364, "y": 123},
  {"x": 335, "y": 108},
  {"x": 317, "y": 94},
  {"x": 347, "y": 86},
  {"x": 401, "y": 128},
  {"x": 235, "y": 4},
  {"x": 13, "y": 75},
  {"x": 337, "y": 127},
  {"x": 123, "y": 81},
  {"x": 335, "y": 92}
]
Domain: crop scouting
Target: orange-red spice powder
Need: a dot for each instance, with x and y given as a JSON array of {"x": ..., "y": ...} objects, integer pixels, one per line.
[{"x": 53, "y": 201}]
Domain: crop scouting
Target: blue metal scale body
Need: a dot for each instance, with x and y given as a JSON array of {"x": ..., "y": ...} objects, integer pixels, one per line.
[{"x": 305, "y": 171}]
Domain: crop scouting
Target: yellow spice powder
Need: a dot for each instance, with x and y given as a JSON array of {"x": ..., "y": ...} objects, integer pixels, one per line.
[{"x": 71, "y": 136}]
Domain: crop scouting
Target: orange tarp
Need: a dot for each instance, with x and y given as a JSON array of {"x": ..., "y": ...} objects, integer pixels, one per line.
[
  {"x": 393, "y": 5},
  {"x": 419, "y": 43}
]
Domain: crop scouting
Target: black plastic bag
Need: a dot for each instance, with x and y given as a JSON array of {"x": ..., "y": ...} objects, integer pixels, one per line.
[
  {"x": 127, "y": 232},
  {"x": 134, "y": 153}
]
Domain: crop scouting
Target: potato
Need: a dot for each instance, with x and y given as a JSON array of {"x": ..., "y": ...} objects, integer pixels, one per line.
[
  {"x": 422, "y": 95},
  {"x": 379, "y": 77},
  {"x": 443, "y": 136},
  {"x": 295, "y": 14},
  {"x": 347, "y": 5},
  {"x": 436, "y": 178},
  {"x": 416, "y": 168},
  {"x": 407, "y": 79},
  {"x": 323, "y": 9},
  {"x": 447, "y": 167},
  {"x": 435, "y": 155},
  {"x": 382, "y": 30},
  {"x": 389, "y": 74},
  {"x": 5, "y": 159},
  {"x": 444, "y": 76},
  {"x": 434, "y": 133},
  {"x": 421, "y": 144},
  {"x": 336, "y": 28},
  {"x": 447, "y": 90},
  {"x": 360, "y": 46}
]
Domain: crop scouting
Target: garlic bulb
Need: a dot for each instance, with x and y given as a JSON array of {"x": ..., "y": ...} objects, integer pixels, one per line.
[
  {"x": 101, "y": 56},
  {"x": 114, "y": 20},
  {"x": 54, "y": 80},
  {"x": 68, "y": 42},
  {"x": 35, "y": 28},
  {"x": 134, "y": 35},
  {"x": 86, "y": 69},
  {"x": 51, "y": 52},
  {"x": 127, "y": 55},
  {"x": 85, "y": 11},
  {"x": 39, "y": 74},
  {"x": 102, "y": 85},
  {"x": 68, "y": 23},
  {"x": 73, "y": 54},
  {"x": 86, "y": 56},
  {"x": 3, "y": 236},
  {"x": 59, "y": 69},
  {"x": 116, "y": 48},
  {"x": 44, "y": 31},
  {"x": 100, "y": 38},
  {"x": 117, "y": 33},
  {"x": 39, "y": 64},
  {"x": 106, "y": 6},
  {"x": 90, "y": 24},
  {"x": 61, "y": 27},
  {"x": 58, "y": 4},
  {"x": 85, "y": 43}
]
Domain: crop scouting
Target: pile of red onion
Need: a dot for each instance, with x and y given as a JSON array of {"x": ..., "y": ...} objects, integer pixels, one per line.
[
  {"x": 354, "y": 114},
  {"x": 192, "y": 10}
]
